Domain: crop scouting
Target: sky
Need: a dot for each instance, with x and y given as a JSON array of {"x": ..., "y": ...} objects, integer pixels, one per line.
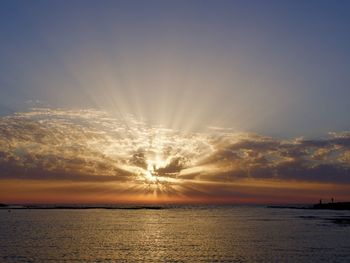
[{"x": 174, "y": 101}]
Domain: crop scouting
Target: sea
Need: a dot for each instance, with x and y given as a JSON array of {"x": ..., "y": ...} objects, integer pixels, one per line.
[{"x": 175, "y": 234}]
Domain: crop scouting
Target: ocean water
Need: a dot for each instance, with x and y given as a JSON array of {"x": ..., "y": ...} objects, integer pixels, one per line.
[{"x": 182, "y": 234}]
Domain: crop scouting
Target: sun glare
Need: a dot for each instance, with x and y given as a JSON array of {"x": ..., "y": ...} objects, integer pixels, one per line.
[{"x": 151, "y": 173}]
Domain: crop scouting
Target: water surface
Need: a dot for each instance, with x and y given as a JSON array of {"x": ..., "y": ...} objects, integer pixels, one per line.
[{"x": 181, "y": 234}]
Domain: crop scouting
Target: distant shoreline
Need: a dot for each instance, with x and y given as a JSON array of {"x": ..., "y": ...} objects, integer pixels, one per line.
[
  {"x": 320, "y": 206},
  {"x": 325, "y": 206},
  {"x": 45, "y": 207}
]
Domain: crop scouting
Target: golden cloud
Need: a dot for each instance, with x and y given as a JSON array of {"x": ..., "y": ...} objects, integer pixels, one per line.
[{"x": 93, "y": 147}]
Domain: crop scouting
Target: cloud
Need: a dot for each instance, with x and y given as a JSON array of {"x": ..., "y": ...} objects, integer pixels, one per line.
[
  {"x": 91, "y": 146},
  {"x": 305, "y": 160}
]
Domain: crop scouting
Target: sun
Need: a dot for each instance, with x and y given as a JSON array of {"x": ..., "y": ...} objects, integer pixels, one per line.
[
  {"x": 152, "y": 169},
  {"x": 150, "y": 175}
]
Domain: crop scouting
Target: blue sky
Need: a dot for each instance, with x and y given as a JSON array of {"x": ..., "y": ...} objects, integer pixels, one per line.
[{"x": 275, "y": 67}]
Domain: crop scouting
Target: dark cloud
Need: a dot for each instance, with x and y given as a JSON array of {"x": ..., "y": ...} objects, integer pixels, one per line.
[
  {"x": 323, "y": 160},
  {"x": 175, "y": 165}
]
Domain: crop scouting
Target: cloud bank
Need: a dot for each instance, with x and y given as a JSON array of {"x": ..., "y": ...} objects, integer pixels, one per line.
[{"x": 90, "y": 146}]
